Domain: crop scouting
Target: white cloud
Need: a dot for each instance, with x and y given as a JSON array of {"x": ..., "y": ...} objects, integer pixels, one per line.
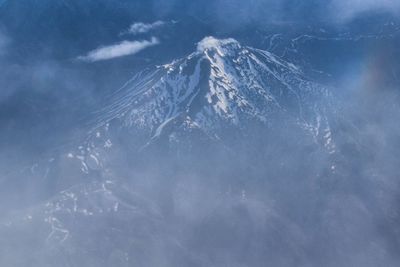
[
  {"x": 345, "y": 10},
  {"x": 124, "y": 48},
  {"x": 141, "y": 27},
  {"x": 211, "y": 42}
]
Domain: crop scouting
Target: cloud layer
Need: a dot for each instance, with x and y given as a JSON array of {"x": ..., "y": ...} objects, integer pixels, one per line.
[
  {"x": 124, "y": 48},
  {"x": 141, "y": 27},
  {"x": 237, "y": 13},
  {"x": 346, "y": 10}
]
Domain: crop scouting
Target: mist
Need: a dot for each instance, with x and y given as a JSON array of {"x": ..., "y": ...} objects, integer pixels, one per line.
[{"x": 285, "y": 157}]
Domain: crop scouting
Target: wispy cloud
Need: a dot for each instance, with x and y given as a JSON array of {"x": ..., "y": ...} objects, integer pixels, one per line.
[
  {"x": 234, "y": 14},
  {"x": 345, "y": 10},
  {"x": 140, "y": 27},
  {"x": 124, "y": 48}
]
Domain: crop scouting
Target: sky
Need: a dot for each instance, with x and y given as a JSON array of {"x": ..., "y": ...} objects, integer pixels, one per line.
[
  {"x": 4, "y": 42},
  {"x": 345, "y": 10},
  {"x": 237, "y": 12},
  {"x": 232, "y": 14}
]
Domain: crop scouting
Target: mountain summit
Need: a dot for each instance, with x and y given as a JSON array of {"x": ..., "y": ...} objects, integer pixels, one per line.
[{"x": 222, "y": 85}]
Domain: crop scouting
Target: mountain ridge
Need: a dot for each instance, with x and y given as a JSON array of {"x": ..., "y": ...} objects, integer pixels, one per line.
[{"x": 221, "y": 85}]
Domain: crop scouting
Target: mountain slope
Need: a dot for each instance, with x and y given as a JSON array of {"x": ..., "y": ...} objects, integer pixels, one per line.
[
  {"x": 274, "y": 201},
  {"x": 222, "y": 85}
]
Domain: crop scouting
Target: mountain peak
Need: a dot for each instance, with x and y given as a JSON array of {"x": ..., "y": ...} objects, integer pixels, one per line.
[
  {"x": 221, "y": 85},
  {"x": 222, "y": 46}
]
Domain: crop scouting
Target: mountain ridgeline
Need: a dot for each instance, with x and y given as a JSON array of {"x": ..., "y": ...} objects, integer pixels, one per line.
[{"x": 222, "y": 87}]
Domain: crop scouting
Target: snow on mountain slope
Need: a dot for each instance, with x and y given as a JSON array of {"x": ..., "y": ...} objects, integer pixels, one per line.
[{"x": 221, "y": 85}]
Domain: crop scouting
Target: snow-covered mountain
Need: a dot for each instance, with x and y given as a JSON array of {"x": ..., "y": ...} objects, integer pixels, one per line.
[
  {"x": 222, "y": 85},
  {"x": 223, "y": 89},
  {"x": 223, "y": 93},
  {"x": 282, "y": 188}
]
